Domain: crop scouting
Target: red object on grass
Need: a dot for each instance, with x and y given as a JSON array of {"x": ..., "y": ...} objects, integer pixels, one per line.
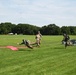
[{"x": 12, "y": 48}]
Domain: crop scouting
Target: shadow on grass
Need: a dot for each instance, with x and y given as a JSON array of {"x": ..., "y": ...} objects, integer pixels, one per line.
[
  {"x": 59, "y": 47},
  {"x": 25, "y": 49}
]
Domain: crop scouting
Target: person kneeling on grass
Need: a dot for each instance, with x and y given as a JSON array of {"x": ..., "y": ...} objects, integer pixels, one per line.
[{"x": 27, "y": 43}]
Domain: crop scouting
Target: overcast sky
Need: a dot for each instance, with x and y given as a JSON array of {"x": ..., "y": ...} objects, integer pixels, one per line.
[{"x": 39, "y": 12}]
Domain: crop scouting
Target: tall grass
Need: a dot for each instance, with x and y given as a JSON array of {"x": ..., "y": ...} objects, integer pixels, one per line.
[{"x": 51, "y": 58}]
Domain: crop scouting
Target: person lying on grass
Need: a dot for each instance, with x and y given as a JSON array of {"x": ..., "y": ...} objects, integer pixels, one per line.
[{"x": 26, "y": 43}]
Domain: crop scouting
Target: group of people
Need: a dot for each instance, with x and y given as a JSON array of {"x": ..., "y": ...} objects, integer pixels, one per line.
[{"x": 30, "y": 44}]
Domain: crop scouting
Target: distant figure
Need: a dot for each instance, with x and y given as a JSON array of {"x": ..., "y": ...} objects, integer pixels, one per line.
[
  {"x": 37, "y": 39},
  {"x": 40, "y": 37},
  {"x": 66, "y": 40}
]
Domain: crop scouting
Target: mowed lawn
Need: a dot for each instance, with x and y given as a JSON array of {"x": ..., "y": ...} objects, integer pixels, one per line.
[{"x": 51, "y": 58}]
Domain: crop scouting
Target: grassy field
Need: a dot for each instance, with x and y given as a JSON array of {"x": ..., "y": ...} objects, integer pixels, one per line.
[{"x": 50, "y": 59}]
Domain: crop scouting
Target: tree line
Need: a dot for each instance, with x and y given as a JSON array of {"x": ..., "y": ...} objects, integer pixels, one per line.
[{"x": 28, "y": 29}]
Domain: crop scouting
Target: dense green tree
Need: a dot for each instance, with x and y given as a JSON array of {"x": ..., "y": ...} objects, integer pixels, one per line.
[
  {"x": 65, "y": 29},
  {"x": 28, "y": 29},
  {"x": 50, "y": 29},
  {"x": 72, "y": 30},
  {"x": 6, "y": 28}
]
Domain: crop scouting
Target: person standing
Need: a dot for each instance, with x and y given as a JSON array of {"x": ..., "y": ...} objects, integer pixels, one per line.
[
  {"x": 66, "y": 39},
  {"x": 40, "y": 37}
]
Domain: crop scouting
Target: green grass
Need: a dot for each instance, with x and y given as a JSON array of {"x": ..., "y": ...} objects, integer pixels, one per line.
[{"x": 50, "y": 59}]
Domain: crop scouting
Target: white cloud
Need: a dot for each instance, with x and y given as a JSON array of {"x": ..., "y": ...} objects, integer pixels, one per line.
[{"x": 38, "y": 12}]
